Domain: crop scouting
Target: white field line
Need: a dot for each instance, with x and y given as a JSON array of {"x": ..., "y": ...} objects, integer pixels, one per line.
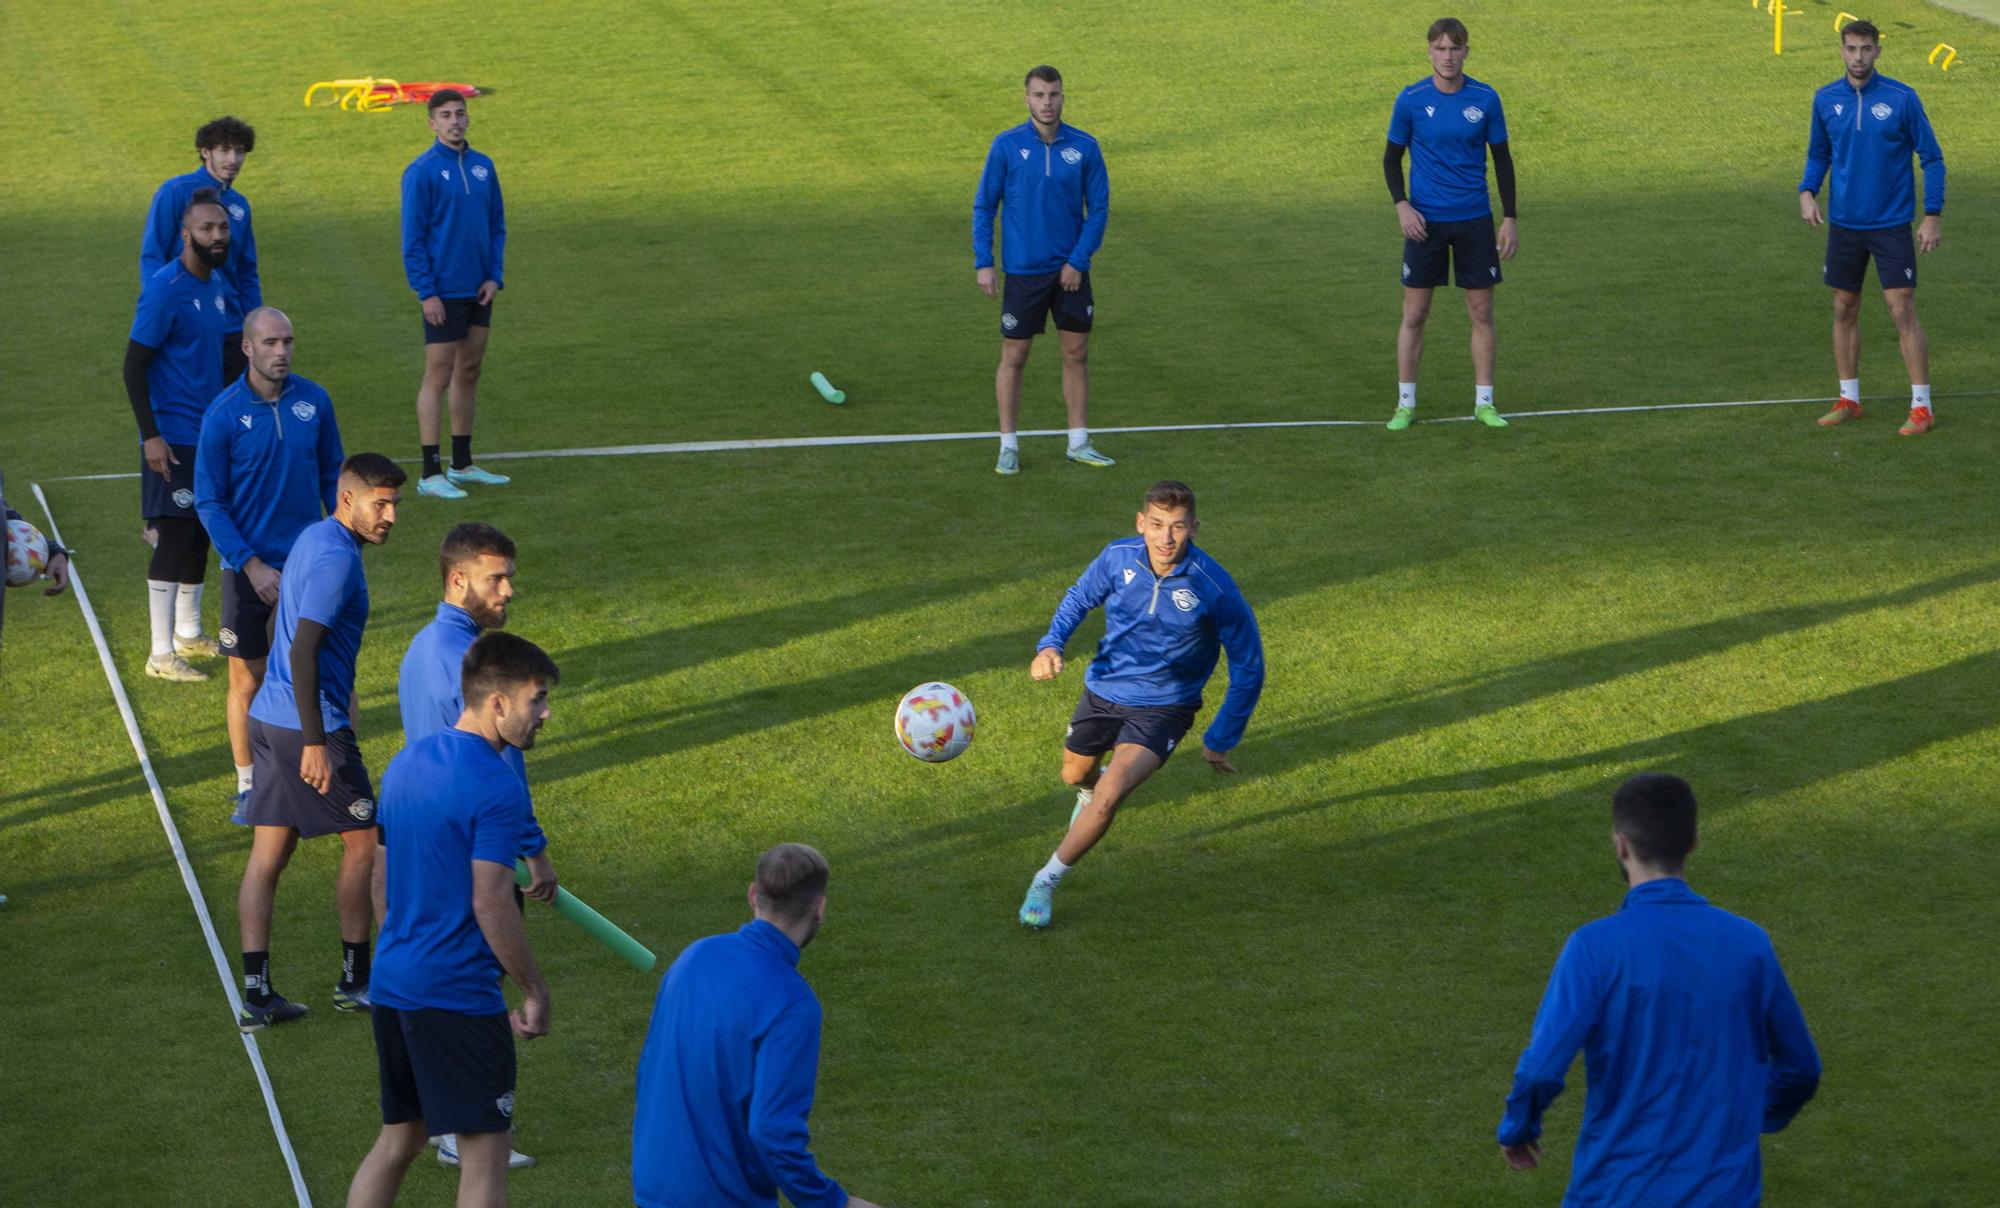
[{"x": 222, "y": 969}]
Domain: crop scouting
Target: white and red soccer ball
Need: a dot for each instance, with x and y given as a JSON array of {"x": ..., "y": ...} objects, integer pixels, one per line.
[
  {"x": 934, "y": 722},
  {"x": 27, "y": 553}
]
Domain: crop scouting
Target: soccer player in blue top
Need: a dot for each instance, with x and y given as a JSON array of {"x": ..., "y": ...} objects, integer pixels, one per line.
[
  {"x": 223, "y": 145},
  {"x": 1447, "y": 122},
  {"x": 452, "y": 813},
  {"x": 1692, "y": 1040},
  {"x": 1168, "y": 607},
  {"x": 1046, "y": 178},
  {"x": 173, "y": 371},
  {"x": 454, "y": 255},
  {"x": 727, "y": 1071},
  {"x": 1865, "y": 127},
  {"x": 309, "y": 779},
  {"x": 265, "y": 468}
]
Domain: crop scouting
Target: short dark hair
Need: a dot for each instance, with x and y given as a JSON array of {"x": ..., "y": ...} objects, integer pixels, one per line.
[
  {"x": 374, "y": 470},
  {"x": 443, "y": 97},
  {"x": 1861, "y": 29},
  {"x": 203, "y": 196},
  {"x": 498, "y": 661},
  {"x": 226, "y": 132},
  {"x": 1045, "y": 73},
  {"x": 1447, "y": 27},
  {"x": 1656, "y": 814},
  {"x": 468, "y": 541},
  {"x": 1168, "y": 495},
  {"x": 790, "y": 878}
]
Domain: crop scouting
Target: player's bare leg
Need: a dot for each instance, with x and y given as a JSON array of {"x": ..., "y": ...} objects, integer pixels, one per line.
[
  {"x": 353, "y": 897},
  {"x": 381, "y": 1174},
  {"x": 1485, "y": 353},
  {"x": 440, "y": 362},
  {"x": 465, "y": 371},
  {"x": 1916, "y": 357},
  {"x": 1007, "y": 396},
  {"x": 1130, "y": 765},
  {"x": 1409, "y": 355},
  {"x": 245, "y": 677},
  {"x": 1076, "y": 398},
  {"x": 482, "y": 1169},
  {"x": 1846, "y": 356},
  {"x": 271, "y": 849}
]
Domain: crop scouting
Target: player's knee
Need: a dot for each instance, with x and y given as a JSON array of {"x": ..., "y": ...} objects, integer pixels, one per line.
[
  {"x": 467, "y": 369},
  {"x": 1846, "y": 306},
  {"x": 1078, "y": 774}
]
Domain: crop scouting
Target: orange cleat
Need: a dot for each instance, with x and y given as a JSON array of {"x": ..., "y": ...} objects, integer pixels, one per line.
[
  {"x": 1844, "y": 410},
  {"x": 1918, "y": 423}
]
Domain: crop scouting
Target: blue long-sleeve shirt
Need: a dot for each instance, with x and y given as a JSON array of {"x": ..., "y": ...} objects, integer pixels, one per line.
[
  {"x": 726, "y": 1080},
  {"x": 1693, "y": 1043},
  {"x": 1053, "y": 199},
  {"x": 1161, "y": 634},
  {"x": 162, "y": 239},
  {"x": 431, "y": 693},
  {"x": 1867, "y": 138},
  {"x": 263, "y": 471},
  {"x": 454, "y": 224}
]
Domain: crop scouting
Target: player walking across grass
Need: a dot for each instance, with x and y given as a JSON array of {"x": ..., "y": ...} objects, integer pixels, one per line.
[
  {"x": 223, "y": 145},
  {"x": 1447, "y": 122},
  {"x": 1865, "y": 128},
  {"x": 1167, "y": 608}
]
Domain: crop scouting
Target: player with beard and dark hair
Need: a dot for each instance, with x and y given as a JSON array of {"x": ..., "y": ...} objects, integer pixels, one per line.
[
  {"x": 223, "y": 144},
  {"x": 173, "y": 371}
]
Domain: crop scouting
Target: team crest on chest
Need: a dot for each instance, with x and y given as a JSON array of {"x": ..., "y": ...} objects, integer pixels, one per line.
[
  {"x": 479, "y": 171},
  {"x": 1473, "y": 113},
  {"x": 1185, "y": 600},
  {"x": 1072, "y": 156},
  {"x": 304, "y": 410},
  {"x": 238, "y": 212},
  {"x": 1881, "y": 111}
]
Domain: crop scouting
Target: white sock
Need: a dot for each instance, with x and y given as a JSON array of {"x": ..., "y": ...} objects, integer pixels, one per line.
[
  {"x": 1079, "y": 437},
  {"x": 1406, "y": 394},
  {"x": 160, "y": 607},
  {"x": 1482, "y": 396},
  {"x": 187, "y": 611},
  {"x": 1850, "y": 388},
  {"x": 1011, "y": 440},
  {"x": 242, "y": 778},
  {"x": 1920, "y": 396},
  {"x": 1053, "y": 872},
  {"x": 1084, "y": 795}
]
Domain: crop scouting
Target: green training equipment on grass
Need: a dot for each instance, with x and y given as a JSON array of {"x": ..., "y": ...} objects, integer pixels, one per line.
[
  {"x": 596, "y": 925},
  {"x": 826, "y": 390}
]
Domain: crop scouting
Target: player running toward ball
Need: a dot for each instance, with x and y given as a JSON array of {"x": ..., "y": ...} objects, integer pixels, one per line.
[
  {"x": 1167, "y": 608},
  {"x": 1446, "y": 122}
]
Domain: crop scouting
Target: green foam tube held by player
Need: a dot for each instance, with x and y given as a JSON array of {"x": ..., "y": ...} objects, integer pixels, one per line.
[
  {"x": 596, "y": 925},
  {"x": 826, "y": 390}
]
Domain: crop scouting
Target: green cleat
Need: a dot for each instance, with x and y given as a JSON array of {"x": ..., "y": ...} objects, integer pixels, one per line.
[
  {"x": 1086, "y": 454},
  {"x": 1038, "y": 905},
  {"x": 1009, "y": 463},
  {"x": 1486, "y": 414},
  {"x": 1403, "y": 418}
]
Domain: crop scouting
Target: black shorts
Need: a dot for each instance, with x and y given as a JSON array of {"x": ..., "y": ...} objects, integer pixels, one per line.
[
  {"x": 454, "y": 1072},
  {"x": 1025, "y": 303},
  {"x": 461, "y": 315},
  {"x": 279, "y": 798},
  {"x": 1848, "y": 250},
  {"x": 246, "y": 619},
  {"x": 1470, "y": 247},
  {"x": 168, "y": 497},
  {"x": 1098, "y": 725}
]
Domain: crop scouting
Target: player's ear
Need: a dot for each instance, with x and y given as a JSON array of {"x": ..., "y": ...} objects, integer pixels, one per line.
[{"x": 752, "y": 895}]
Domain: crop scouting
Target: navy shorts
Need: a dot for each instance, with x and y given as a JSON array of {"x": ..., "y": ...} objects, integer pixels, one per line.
[
  {"x": 1469, "y": 247},
  {"x": 246, "y": 619},
  {"x": 279, "y": 798},
  {"x": 454, "y": 1072},
  {"x": 1098, "y": 725},
  {"x": 1848, "y": 250},
  {"x": 168, "y": 497},
  {"x": 461, "y": 315},
  {"x": 1025, "y": 303}
]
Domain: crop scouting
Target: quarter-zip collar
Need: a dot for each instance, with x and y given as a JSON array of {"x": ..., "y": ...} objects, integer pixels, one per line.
[
  {"x": 452, "y": 615},
  {"x": 768, "y": 937},
  {"x": 1664, "y": 891}
]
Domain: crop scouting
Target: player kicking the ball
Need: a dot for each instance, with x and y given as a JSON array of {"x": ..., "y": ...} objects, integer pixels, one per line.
[{"x": 1167, "y": 606}]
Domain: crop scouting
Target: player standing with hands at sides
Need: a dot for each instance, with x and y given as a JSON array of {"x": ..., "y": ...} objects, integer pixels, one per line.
[
  {"x": 1691, "y": 1036},
  {"x": 1047, "y": 180},
  {"x": 1446, "y": 122},
  {"x": 1866, "y": 126},
  {"x": 731, "y": 1054},
  {"x": 309, "y": 779},
  {"x": 267, "y": 465},
  {"x": 173, "y": 371},
  {"x": 454, "y": 254},
  {"x": 1167, "y": 608},
  {"x": 223, "y": 145},
  {"x": 452, "y": 813}
]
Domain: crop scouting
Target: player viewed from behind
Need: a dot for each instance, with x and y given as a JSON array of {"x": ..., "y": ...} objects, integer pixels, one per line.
[
  {"x": 454, "y": 254},
  {"x": 1046, "y": 178},
  {"x": 223, "y": 145},
  {"x": 266, "y": 466},
  {"x": 1168, "y": 607},
  {"x": 1446, "y": 122},
  {"x": 452, "y": 814},
  {"x": 1865, "y": 127},
  {"x": 1691, "y": 1036}
]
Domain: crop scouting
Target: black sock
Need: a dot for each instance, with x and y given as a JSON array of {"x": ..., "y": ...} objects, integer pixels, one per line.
[
  {"x": 353, "y": 964},
  {"x": 257, "y": 978},
  {"x": 461, "y": 451},
  {"x": 431, "y": 467}
]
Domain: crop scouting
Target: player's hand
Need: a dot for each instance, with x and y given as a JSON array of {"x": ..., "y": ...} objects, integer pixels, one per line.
[
  {"x": 1219, "y": 760},
  {"x": 1072, "y": 280},
  {"x": 488, "y": 290},
  {"x": 1809, "y": 209},
  {"x": 1047, "y": 664},
  {"x": 160, "y": 457},
  {"x": 1412, "y": 222},
  {"x": 58, "y": 573},
  {"x": 541, "y": 878},
  {"x": 1522, "y": 1157},
  {"x": 987, "y": 281},
  {"x": 263, "y": 580},
  {"x": 532, "y": 1019},
  {"x": 314, "y": 768},
  {"x": 1508, "y": 243},
  {"x": 434, "y": 311},
  {"x": 1928, "y": 233}
]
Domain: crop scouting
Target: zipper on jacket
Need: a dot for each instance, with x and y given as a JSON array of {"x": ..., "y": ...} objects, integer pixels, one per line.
[
  {"x": 1045, "y": 160},
  {"x": 1150, "y": 608},
  {"x": 461, "y": 174}
]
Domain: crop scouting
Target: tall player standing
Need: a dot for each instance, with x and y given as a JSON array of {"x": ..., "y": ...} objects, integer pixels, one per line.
[{"x": 223, "y": 145}]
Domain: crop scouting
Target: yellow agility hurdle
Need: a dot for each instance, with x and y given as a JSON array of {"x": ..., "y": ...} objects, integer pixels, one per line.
[
  {"x": 1950, "y": 53},
  {"x": 366, "y": 94}
]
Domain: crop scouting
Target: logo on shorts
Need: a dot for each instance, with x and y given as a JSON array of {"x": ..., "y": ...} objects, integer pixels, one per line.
[
  {"x": 1910, "y": 274},
  {"x": 506, "y": 1104},
  {"x": 1072, "y": 156},
  {"x": 304, "y": 410},
  {"x": 183, "y": 498},
  {"x": 1170, "y": 744},
  {"x": 1473, "y": 113},
  {"x": 1129, "y": 572},
  {"x": 237, "y": 212},
  {"x": 1009, "y": 322},
  {"x": 363, "y": 810},
  {"x": 1069, "y": 729},
  {"x": 227, "y": 637},
  {"x": 1406, "y": 270},
  {"x": 1881, "y": 111},
  {"x": 1185, "y": 600},
  {"x": 1495, "y": 270},
  {"x": 1090, "y": 311},
  {"x": 479, "y": 170}
]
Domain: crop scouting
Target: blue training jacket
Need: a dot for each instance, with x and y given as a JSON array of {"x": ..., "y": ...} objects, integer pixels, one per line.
[
  {"x": 263, "y": 471},
  {"x": 726, "y": 1080},
  {"x": 1693, "y": 1044},
  {"x": 454, "y": 225},
  {"x": 1161, "y": 634},
  {"x": 1867, "y": 138},
  {"x": 162, "y": 240},
  {"x": 1054, "y": 201}
]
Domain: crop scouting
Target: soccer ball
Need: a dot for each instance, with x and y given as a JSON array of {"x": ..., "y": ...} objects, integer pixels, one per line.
[
  {"x": 934, "y": 722},
  {"x": 27, "y": 553}
]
